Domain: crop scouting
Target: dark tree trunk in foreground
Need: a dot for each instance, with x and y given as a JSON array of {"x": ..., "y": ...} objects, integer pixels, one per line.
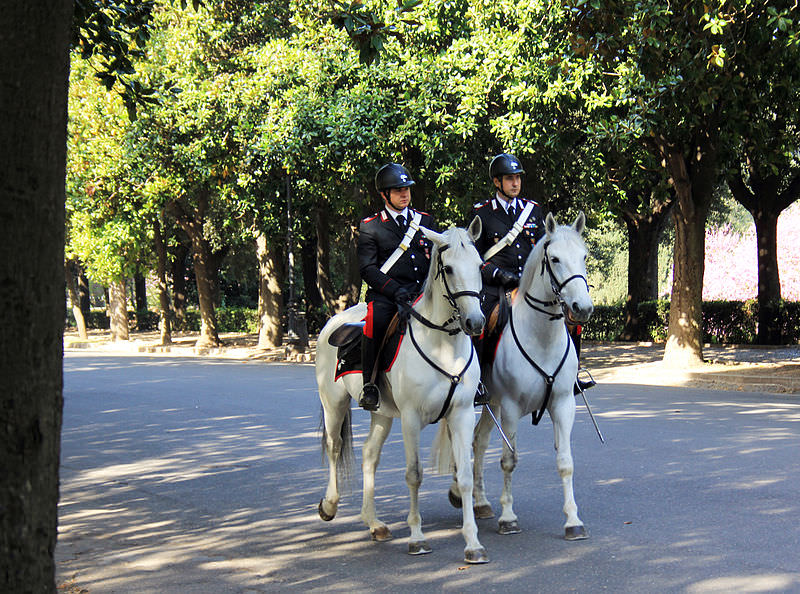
[
  {"x": 765, "y": 202},
  {"x": 165, "y": 314},
  {"x": 34, "y": 70},
  {"x": 270, "y": 298},
  {"x": 693, "y": 180},
  {"x": 74, "y": 298},
  {"x": 644, "y": 231}
]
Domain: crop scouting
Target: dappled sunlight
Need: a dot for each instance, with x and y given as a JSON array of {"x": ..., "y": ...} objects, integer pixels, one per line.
[{"x": 768, "y": 582}]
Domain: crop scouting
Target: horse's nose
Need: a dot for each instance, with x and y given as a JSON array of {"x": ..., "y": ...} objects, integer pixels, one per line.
[
  {"x": 474, "y": 324},
  {"x": 582, "y": 312}
]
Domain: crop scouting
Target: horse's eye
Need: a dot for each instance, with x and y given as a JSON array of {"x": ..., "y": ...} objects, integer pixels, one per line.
[
  {"x": 556, "y": 260},
  {"x": 448, "y": 269}
]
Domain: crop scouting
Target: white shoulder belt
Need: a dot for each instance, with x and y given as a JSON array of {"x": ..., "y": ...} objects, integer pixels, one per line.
[
  {"x": 413, "y": 226},
  {"x": 512, "y": 233}
]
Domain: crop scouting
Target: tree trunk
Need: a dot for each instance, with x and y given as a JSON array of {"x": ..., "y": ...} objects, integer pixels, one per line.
[
  {"x": 352, "y": 290},
  {"x": 164, "y": 323},
  {"x": 83, "y": 290},
  {"x": 119, "y": 311},
  {"x": 192, "y": 222},
  {"x": 644, "y": 232},
  {"x": 308, "y": 261},
  {"x": 270, "y": 298},
  {"x": 201, "y": 252},
  {"x": 74, "y": 298},
  {"x": 140, "y": 292},
  {"x": 178, "y": 273},
  {"x": 322, "y": 259},
  {"x": 34, "y": 74},
  {"x": 693, "y": 188},
  {"x": 765, "y": 203}
]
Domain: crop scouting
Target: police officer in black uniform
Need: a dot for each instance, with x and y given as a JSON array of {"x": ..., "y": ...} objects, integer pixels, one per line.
[
  {"x": 378, "y": 237},
  {"x": 501, "y": 272}
]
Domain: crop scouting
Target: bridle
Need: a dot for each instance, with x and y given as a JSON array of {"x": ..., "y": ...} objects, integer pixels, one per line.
[
  {"x": 451, "y": 297},
  {"x": 557, "y": 287}
]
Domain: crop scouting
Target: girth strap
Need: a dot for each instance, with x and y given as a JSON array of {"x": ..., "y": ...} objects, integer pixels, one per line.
[
  {"x": 548, "y": 379},
  {"x": 454, "y": 379}
]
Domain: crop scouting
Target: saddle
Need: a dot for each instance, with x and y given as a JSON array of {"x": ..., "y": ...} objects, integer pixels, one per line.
[{"x": 347, "y": 339}]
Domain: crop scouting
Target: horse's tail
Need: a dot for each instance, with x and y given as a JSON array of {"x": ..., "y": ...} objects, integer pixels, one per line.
[
  {"x": 442, "y": 450},
  {"x": 344, "y": 466}
]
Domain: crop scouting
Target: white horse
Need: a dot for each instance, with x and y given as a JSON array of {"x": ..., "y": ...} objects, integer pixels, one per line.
[
  {"x": 434, "y": 377},
  {"x": 535, "y": 367}
]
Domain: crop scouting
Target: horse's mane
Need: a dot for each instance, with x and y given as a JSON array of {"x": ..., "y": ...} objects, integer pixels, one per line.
[
  {"x": 457, "y": 238},
  {"x": 533, "y": 263}
]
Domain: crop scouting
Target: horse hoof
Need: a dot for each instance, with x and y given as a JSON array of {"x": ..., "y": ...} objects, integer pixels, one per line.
[
  {"x": 455, "y": 500},
  {"x": 511, "y": 527},
  {"x": 483, "y": 512},
  {"x": 575, "y": 533},
  {"x": 380, "y": 534},
  {"x": 476, "y": 556},
  {"x": 323, "y": 514},
  {"x": 418, "y": 548}
]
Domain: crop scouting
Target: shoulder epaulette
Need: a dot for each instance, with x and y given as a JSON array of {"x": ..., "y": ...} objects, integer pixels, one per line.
[
  {"x": 481, "y": 204},
  {"x": 369, "y": 218}
]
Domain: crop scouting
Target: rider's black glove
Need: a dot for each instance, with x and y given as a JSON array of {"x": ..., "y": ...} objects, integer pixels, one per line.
[
  {"x": 402, "y": 296},
  {"x": 509, "y": 280}
]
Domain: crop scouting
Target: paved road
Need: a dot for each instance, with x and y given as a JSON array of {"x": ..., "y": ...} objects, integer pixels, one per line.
[{"x": 200, "y": 475}]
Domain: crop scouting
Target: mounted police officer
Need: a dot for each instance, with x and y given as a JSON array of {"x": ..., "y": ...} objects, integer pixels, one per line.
[
  {"x": 394, "y": 257},
  {"x": 511, "y": 226}
]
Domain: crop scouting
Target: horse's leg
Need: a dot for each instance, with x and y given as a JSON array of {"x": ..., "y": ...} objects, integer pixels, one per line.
[
  {"x": 335, "y": 412},
  {"x": 507, "y": 523},
  {"x": 461, "y": 424},
  {"x": 483, "y": 431},
  {"x": 563, "y": 415},
  {"x": 379, "y": 429},
  {"x": 411, "y": 431}
]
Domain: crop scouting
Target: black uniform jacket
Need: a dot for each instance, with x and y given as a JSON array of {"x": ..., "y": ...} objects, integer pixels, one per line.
[
  {"x": 378, "y": 237},
  {"x": 495, "y": 224}
]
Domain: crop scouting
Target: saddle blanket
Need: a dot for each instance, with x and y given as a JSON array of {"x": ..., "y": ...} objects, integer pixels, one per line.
[{"x": 348, "y": 358}]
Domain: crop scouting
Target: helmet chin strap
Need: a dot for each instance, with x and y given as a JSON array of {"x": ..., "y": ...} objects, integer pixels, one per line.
[{"x": 387, "y": 196}]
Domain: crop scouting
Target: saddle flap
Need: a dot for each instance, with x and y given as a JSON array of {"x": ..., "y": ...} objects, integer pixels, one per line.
[{"x": 346, "y": 333}]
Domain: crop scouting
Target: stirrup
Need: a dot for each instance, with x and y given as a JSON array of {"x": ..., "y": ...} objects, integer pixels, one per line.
[
  {"x": 481, "y": 395},
  {"x": 370, "y": 397},
  {"x": 582, "y": 385}
]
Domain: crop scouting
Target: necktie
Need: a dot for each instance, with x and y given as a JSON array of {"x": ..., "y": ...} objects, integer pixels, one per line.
[
  {"x": 512, "y": 213},
  {"x": 401, "y": 222}
]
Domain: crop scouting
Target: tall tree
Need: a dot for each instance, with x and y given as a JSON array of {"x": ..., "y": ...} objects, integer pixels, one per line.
[{"x": 34, "y": 73}]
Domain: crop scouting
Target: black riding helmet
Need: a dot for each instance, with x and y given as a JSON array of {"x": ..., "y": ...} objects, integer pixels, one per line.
[
  {"x": 504, "y": 164},
  {"x": 392, "y": 175}
]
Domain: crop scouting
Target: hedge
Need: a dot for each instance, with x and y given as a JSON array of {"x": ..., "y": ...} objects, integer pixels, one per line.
[{"x": 728, "y": 322}]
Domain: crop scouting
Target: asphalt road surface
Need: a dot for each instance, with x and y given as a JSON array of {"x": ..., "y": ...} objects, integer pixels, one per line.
[{"x": 199, "y": 475}]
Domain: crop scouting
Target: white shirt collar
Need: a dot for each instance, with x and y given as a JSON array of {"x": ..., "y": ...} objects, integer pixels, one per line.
[
  {"x": 506, "y": 203},
  {"x": 394, "y": 214}
]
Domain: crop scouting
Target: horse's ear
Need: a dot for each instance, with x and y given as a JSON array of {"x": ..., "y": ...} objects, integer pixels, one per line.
[
  {"x": 580, "y": 223},
  {"x": 475, "y": 228},
  {"x": 435, "y": 237},
  {"x": 550, "y": 223}
]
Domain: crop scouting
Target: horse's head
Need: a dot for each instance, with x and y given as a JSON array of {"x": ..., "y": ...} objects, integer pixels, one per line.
[
  {"x": 456, "y": 266},
  {"x": 564, "y": 266}
]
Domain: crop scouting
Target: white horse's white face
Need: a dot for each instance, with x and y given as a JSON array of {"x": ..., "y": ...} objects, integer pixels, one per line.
[
  {"x": 457, "y": 268},
  {"x": 565, "y": 264}
]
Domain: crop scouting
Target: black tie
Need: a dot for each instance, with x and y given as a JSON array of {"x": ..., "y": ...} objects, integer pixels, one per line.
[
  {"x": 512, "y": 213},
  {"x": 401, "y": 222}
]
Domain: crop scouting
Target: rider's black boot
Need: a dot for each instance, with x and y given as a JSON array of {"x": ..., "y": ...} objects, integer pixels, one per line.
[
  {"x": 580, "y": 384},
  {"x": 481, "y": 395},
  {"x": 370, "y": 395}
]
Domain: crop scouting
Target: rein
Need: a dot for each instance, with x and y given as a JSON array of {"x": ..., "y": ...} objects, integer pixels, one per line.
[{"x": 451, "y": 298}]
